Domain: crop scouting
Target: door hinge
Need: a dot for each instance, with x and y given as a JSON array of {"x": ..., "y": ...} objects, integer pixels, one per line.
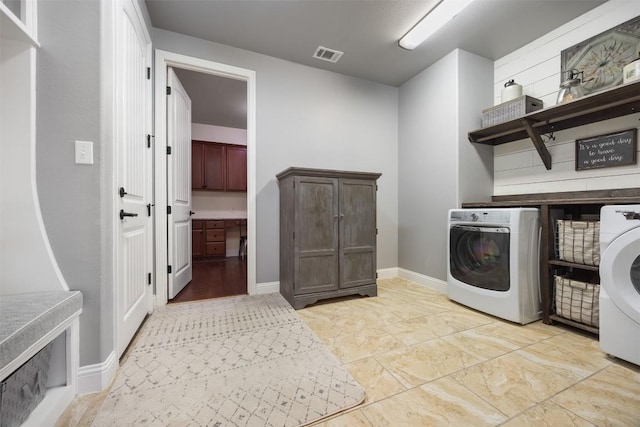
[
  {"x": 376, "y": 231},
  {"x": 148, "y": 73},
  {"x": 294, "y": 235},
  {"x": 168, "y": 90},
  {"x": 168, "y": 150},
  {"x": 148, "y": 209},
  {"x": 148, "y": 278},
  {"x": 148, "y": 141},
  {"x": 376, "y": 275},
  {"x": 169, "y": 269},
  {"x": 168, "y": 210},
  {"x": 376, "y": 187}
]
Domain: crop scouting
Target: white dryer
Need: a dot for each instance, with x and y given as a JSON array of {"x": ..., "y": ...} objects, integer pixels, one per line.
[
  {"x": 620, "y": 281},
  {"x": 493, "y": 261}
]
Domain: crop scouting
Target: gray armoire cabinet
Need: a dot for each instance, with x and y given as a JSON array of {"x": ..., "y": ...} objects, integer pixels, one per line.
[{"x": 327, "y": 234}]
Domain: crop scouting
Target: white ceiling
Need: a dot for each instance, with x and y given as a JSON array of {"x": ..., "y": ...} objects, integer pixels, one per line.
[{"x": 367, "y": 31}]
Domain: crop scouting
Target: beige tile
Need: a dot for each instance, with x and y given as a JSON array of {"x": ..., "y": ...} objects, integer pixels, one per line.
[
  {"x": 462, "y": 319},
  {"x": 356, "y": 345},
  {"x": 542, "y": 328},
  {"x": 421, "y": 329},
  {"x": 609, "y": 398},
  {"x": 568, "y": 354},
  {"x": 519, "y": 335},
  {"x": 349, "y": 419},
  {"x": 388, "y": 310},
  {"x": 513, "y": 383},
  {"x": 481, "y": 346},
  {"x": 376, "y": 380},
  {"x": 425, "y": 361},
  {"x": 440, "y": 403},
  {"x": 547, "y": 414}
]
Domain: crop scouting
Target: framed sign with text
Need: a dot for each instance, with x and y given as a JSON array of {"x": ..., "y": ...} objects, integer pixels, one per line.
[{"x": 605, "y": 151}]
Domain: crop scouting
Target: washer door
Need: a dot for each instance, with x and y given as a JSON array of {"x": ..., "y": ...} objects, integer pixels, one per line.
[
  {"x": 620, "y": 272},
  {"x": 479, "y": 256}
]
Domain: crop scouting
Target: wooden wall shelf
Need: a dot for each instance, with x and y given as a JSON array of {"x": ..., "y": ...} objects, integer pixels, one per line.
[{"x": 617, "y": 102}]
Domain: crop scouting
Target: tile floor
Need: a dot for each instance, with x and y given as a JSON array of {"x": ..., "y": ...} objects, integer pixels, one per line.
[{"x": 427, "y": 361}]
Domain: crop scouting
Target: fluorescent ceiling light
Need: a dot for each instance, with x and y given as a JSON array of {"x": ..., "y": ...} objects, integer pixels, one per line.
[{"x": 437, "y": 17}]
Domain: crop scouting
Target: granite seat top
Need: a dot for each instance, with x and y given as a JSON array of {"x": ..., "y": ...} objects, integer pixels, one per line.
[{"x": 27, "y": 317}]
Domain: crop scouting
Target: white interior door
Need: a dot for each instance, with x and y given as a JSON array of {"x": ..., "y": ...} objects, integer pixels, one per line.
[
  {"x": 179, "y": 185},
  {"x": 133, "y": 172}
]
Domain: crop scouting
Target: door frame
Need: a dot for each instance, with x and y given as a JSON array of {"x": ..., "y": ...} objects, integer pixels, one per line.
[{"x": 164, "y": 59}]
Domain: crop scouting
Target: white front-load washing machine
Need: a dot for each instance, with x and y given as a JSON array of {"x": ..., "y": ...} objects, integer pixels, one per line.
[
  {"x": 620, "y": 281},
  {"x": 493, "y": 261}
]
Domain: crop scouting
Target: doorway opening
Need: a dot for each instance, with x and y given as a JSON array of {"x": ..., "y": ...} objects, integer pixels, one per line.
[
  {"x": 207, "y": 69},
  {"x": 218, "y": 112}
]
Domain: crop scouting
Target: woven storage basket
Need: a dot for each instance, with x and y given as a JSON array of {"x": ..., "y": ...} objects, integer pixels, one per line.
[
  {"x": 578, "y": 241},
  {"x": 577, "y": 300},
  {"x": 510, "y": 110},
  {"x": 24, "y": 389}
]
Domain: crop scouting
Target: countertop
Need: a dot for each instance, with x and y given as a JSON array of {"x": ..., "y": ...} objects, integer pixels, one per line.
[{"x": 219, "y": 215}]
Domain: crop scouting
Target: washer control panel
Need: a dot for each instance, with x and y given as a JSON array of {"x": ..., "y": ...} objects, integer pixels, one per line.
[{"x": 480, "y": 216}]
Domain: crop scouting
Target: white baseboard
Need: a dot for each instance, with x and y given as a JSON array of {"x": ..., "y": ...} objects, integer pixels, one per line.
[
  {"x": 267, "y": 288},
  {"x": 388, "y": 273},
  {"x": 421, "y": 279},
  {"x": 94, "y": 378}
]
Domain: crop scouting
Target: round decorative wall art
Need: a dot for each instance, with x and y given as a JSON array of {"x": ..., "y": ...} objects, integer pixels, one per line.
[{"x": 601, "y": 58}]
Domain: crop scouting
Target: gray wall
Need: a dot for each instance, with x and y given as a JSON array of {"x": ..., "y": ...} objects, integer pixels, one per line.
[
  {"x": 438, "y": 167},
  {"x": 68, "y": 109},
  {"x": 311, "y": 118},
  {"x": 475, "y": 161}
]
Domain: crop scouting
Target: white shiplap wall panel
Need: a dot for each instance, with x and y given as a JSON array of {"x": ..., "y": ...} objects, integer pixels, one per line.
[
  {"x": 536, "y": 66},
  {"x": 515, "y": 161}
]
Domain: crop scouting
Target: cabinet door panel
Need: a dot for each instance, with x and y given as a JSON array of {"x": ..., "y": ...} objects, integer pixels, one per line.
[
  {"x": 316, "y": 235},
  {"x": 236, "y": 168},
  {"x": 197, "y": 165},
  {"x": 197, "y": 243},
  {"x": 357, "y": 232},
  {"x": 214, "y": 167}
]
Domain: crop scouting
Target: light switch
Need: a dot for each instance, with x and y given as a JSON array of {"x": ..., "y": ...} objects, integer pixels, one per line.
[{"x": 84, "y": 152}]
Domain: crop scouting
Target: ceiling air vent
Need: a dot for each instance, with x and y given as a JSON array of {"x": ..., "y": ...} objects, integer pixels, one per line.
[{"x": 327, "y": 54}]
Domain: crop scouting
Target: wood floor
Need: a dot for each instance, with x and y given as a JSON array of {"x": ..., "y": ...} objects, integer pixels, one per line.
[{"x": 214, "y": 278}]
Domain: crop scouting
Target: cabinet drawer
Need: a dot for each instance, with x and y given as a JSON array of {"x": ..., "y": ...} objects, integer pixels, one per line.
[
  {"x": 215, "y": 248},
  {"x": 197, "y": 224},
  {"x": 215, "y": 224},
  {"x": 215, "y": 235},
  {"x": 235, "y": 222}
]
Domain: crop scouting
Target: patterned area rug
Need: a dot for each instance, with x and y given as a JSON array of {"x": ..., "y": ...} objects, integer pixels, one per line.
[{"x": 238, "y": 361}]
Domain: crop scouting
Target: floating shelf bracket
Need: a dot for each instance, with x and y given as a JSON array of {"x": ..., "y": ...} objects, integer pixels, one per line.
[{"x": 537, "y": 142}]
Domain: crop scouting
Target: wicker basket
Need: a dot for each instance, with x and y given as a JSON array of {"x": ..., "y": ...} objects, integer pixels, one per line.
[
  {"x": 578, "y": 241},
  {"x": 577, "y": 301},
  {"x": 510, "y": 110}
]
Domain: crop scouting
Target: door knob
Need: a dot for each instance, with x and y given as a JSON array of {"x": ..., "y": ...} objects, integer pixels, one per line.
[{"x": 123, "y": 214}]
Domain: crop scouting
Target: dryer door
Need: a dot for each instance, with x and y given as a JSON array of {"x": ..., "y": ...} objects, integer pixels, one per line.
[
  {"x": 620, "y": 272},
  {"x": 479, "y": 256}
]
